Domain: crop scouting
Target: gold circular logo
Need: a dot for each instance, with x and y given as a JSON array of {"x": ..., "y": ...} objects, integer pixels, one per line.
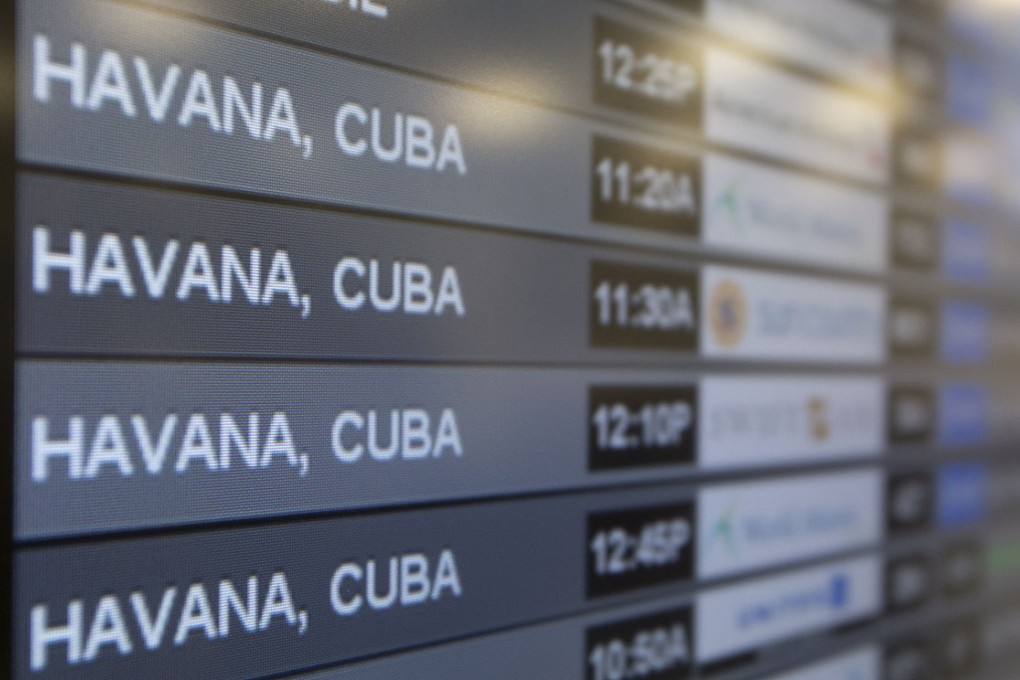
[
  {"x": 727, "y": 313},
  {"x": 818, "y": 414}
]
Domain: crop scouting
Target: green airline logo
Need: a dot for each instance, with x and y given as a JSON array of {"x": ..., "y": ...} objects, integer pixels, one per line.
[
  {"x": 723, "y": 529},
  {"x": 727, "y": 204}
]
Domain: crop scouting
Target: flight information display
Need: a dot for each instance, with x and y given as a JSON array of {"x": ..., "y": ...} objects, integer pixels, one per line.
[{"x": 583, "y": 339}]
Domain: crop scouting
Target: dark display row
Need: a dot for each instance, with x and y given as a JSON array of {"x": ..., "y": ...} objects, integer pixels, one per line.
[{"x": 250, "y": 601}]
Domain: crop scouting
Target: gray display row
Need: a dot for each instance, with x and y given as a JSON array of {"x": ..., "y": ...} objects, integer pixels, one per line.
[
  {"x": 112, "y": 446},
  {"x": 530, "y": 50},
  {"x": 147, "y": 95},
  {"x": 552, "y": 50},
  {"x": 112, "y": 270},
  {"x": 105, "y": 446}
]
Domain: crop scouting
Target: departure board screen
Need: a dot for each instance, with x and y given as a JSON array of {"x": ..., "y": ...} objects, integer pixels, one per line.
[{"x": 531, "y": 340}]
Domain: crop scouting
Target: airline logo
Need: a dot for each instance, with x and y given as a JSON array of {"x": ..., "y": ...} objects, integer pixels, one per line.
[
  {"x": 729, "y": 312},
  {"x": 758, "y": 108},
  {"x": 966, "y": 332},
  {"x": 736, "y": 619},
  {"x": 786, "y": 420},
  {"x": 743, "y": 527},
  {"x": 962, "y": 494},
  {"x": 755, "y": 209},
  {"x": 967, "y": 255},
  {"x": 963, "y": 414},
  {"x": 757, "y": 315},
  {"x": 863, "y": 664},
  {"x": 835, "y": 37}
]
